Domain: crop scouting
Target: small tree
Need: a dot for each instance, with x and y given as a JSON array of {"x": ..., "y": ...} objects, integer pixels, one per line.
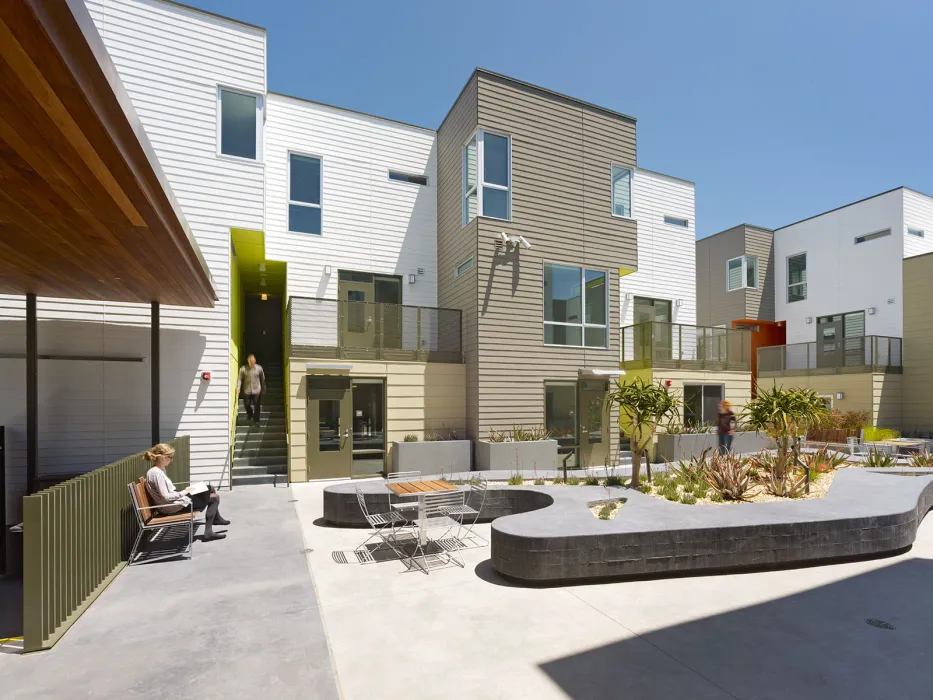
[
  {"x": 784, "y": 414},
  {"x": 642, "y": 406}
]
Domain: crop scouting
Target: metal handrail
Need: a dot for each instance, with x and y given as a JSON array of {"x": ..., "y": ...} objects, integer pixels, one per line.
[
  {"x": 861, "y": 351},
  {"x": 655, "y": 343}
]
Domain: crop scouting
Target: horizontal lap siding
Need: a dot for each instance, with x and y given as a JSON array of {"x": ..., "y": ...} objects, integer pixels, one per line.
[
  {"x": 715, "y": 305},
  {"x": 170, "y": 60},
  {"x": 456, "y": 243},
  {"x": 738, "y": 385},
  {"x": 369, "y": 223},
  {"x": 759, "y": 303},
  {"x": 918, "y": 344},
  {"x": 857, "y": 388},
  {"x": 918, "y": 214},
  {"x": 561, "y": 153},
  {"x": 666, "y": 253}
]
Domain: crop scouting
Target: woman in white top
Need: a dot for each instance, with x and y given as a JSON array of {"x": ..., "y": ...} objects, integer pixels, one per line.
[{"x": 162, "y": 493}]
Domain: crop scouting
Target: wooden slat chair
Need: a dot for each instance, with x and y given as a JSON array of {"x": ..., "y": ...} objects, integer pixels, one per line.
[{"x": 148, "y": 519}]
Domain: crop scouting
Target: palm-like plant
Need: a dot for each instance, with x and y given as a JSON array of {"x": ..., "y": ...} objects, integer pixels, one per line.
[
  {"x": 642, "y": 406},
  {"x": 784, "y": 414}
]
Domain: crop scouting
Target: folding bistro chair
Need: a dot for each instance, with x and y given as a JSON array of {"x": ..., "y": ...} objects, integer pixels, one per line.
[
  {"x": 856, "y": 447},
  {"x": 471, "y": 510},
  {"x": 435, "y": 528},
  {"x": 380, "y": 523}
]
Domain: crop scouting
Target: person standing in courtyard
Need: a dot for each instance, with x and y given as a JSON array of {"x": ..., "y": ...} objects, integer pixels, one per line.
[
  {"x": 252, "y": 384},
  {"x": 725, "y": 426}
]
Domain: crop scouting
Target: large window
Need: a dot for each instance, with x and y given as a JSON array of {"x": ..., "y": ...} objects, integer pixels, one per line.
[
  {"x": 701, "y": 403},
  {"x": 575, "y": 306},
  {"x": 240, "y": 124},
  {"x": 621, "y": 191},
  {"x": 797, "y": 277},
  {"x": 304, "y": 194},
  {"x": 742, "y": 273},
  {"x": 487, "y": 177}
]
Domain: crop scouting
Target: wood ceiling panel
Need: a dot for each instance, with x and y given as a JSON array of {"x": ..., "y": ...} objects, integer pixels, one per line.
[{"x": 85, "y": 211}]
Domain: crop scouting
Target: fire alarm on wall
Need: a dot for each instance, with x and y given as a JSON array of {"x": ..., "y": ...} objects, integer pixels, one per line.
[
  {"x": 667, "y": 382},
  {"x": 206, "y": 376}
]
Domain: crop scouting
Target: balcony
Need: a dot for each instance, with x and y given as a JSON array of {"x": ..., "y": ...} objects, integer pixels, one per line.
[
  {"x": 678, "y": 346},
  {"x": 356, "y": 330},
  {"x": 869, "y": 353}
]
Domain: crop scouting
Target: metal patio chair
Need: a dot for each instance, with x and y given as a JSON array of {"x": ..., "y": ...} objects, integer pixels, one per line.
[
  {"x": 856, "y": 448},
  {"x": 435, "y": 529},
  {"x": 380, "y": 523},
  {"x": 466, "y": 512}
]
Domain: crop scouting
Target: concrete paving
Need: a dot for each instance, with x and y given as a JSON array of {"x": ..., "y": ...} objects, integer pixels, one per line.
[
  {"x": 239, "y": 620},
  {"x": 467, "y": 633}
]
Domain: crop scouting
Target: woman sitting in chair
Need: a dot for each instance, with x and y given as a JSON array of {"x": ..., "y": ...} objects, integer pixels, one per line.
[{"x": 162, "y": 492}]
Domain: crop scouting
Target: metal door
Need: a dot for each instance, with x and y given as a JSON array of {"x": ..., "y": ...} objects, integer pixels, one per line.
[
  {"x": 830, "y": 346},
  {"x": 329, "y": 418},
  {"x": 594, "y": 422},
  {"x": 357, "y": 326}
]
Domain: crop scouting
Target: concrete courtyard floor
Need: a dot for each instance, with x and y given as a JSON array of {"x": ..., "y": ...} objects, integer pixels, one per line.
[
  {"x": 238, "y": 620},
  {"x": 467, "y": 633}
]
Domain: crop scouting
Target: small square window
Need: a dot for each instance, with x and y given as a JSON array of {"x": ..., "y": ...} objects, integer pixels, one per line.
[
  {"x": 674, "y": 221},
  {"x": 915, "y": 232},
  {"x": 238, "y": 120}
]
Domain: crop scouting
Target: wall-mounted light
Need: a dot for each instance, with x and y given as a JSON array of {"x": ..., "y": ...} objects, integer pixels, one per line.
[
  {"x": 809, "y": 319},
  {"x": 679, "y": 302},
  {"x": 262, "y": 267},
  {"x": 262, "y": 282},
  {"x": 628, "y": 296},
  {"x": 327, "y": 269},
  {"x": 871, "y": 310},
  {"x": 840, "y": 395},
  {"x": 265, "y": 297},
  {"x": 890, "y": 300},
  {"x": 411, "y": 278}
]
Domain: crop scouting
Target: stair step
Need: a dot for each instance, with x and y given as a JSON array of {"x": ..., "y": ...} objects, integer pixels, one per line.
[
  {"x": 258, "y": 479},
  {"x": 246, "y": 441},
  {"x": 260, "y": 469},
  {"x": 260, "y": 460}
]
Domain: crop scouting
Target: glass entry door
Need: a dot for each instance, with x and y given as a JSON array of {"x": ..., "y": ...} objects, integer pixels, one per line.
[
  {"x": 594, "y": 422},
  {"x": 330, "y": 444},
  {"x": 371, "y": 315},
  {"x": 369, "y": 423},
  {"x": 656, "y": 341},
  {"x": 701, "y": 403},
  {"x": 560, "y": 417}
]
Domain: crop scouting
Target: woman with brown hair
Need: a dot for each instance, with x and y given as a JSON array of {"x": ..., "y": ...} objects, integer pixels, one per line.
[
  {"x": 162, "y": 492},
  {"x": 725, "y": 426}
]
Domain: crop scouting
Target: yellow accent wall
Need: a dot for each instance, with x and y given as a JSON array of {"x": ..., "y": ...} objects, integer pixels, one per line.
[
  {"x": 878, "y": 393},
  {"x": 420, "y": 397},
  {"x": 237, "y": 313}
]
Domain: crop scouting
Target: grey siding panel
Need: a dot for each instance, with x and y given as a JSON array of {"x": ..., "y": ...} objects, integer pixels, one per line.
[
  {"x": 759, "y": 303},
  {"x": 561, "y": 154},
  {"x": 456, "y": 243},
  {"x": 715, "y": 305}
]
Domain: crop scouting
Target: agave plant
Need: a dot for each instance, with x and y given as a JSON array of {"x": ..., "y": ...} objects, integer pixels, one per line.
[
  {"x": 497, "y": 435},
  {"x": 690, "y": 471},
  {"x": 823, "y": 460},
  {"x": 922, "y": 459},
  {"x": 729, "y": 475},
  {"x": 790, "y": 484},
  {"x": 876, "y": 459}
]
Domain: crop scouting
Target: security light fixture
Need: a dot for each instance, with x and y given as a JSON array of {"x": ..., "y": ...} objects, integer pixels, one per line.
[
  {"x": 513, "y": 240},
  {"x": 871, "y": 310},
  {"x": 327, "y": 269},
  {"x": 809, "y": 319},
  {"x": 411, "y": 278},
  {"x": 262, "y": 267},
  {"x": 679, "y": 302},
  {"x": 628, "y": 296},
  {"x": 840, "y": 395},
  {"x": 890, "y": 300},
  {"x": 265, "y": 297}
]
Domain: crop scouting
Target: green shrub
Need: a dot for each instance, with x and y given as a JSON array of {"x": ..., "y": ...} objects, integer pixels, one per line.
[
  {"x": 516, "y": 480},
  {"x": 688, "y": 499},
  {"x": 669, "y": 491},
  {"x": 873, "y": 434},
  {"x": 591, "y": 481},
  {"x": 701, "y": 491},
  {"x": 613, "y": 481},
  {"x": 715, "y": 497},
  {"x": 876, "y": 459},
  {"x": 606, "y": 511},
  {"x": 539, "y": 482},
  {"x": 558, "y": 481},
  {"x": 922, "y": 459},
  {"x": 644, "y": 488},
  {"x": 411, "y": 437},
  {"x": 573, "y": 481}
]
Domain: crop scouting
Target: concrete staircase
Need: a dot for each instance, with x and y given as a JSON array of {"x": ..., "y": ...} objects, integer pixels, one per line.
[{"x": 260, "y": 453}]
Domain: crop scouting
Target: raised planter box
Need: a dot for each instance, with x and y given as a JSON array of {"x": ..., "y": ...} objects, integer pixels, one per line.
[
  {"x": 675, "y": 447},
  {"x": 433, "y": 457},
  {"x": 540, "y": 455}
]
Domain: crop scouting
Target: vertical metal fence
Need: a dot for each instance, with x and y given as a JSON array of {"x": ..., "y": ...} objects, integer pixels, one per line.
[{"x": 77, "y": 537}]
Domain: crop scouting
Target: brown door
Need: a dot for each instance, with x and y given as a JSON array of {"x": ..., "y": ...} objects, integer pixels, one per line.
[
  {"x": 594, "y": 422},
  {"x": 330, "y": 437}
]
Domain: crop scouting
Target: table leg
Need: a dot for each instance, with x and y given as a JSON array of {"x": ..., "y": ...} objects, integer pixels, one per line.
[{"x": 422, "y": 535}]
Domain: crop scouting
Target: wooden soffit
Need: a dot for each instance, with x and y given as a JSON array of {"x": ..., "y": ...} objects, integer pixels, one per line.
[{"x": 85, "y": 209}]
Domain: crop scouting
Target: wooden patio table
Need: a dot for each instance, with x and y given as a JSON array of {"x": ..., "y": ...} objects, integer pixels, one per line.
[{"x": 418, "y": 489}]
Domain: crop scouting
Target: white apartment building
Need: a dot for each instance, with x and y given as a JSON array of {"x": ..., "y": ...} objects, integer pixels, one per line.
[{"x": 848, "y": 262}]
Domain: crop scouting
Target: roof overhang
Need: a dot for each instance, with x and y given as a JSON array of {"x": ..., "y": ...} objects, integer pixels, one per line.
[
  {"x": 598, "y": 373},
  {"x": 85, "y": 209}
]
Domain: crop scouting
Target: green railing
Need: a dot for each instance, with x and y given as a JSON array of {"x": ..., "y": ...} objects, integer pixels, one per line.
[{"x": 77, "y": 537}]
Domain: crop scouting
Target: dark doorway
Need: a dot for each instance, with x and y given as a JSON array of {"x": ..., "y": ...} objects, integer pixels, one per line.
[{"x": 263, "y": 334}]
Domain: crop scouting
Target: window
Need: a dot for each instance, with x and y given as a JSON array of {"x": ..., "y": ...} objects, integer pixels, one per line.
[
  {"x": 240, "y": 124},
  {"x": 701, "y": 403},
  {"x": 872, "y": 236},
  {"x": 674, "y": 221},
  {"x": 915, "y": 232},
  {"x": 796, "y": 277},
  {"x": 304, "y": 194},
  {"x": 463, "y": 267},
  {"x": 405, "y": 177},
  {"x": 575, "y": 306},
  {"x": 742, "y": 273},
  {"x": 621, "y": 191},
  {"x": 487, "y": 177}
]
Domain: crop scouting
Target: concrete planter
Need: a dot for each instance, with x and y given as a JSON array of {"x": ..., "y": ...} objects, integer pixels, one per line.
[
  {"x": 433, "y": 457},
  {"x": 675, "y": 447},
  {"x": 540, "y": 454}
]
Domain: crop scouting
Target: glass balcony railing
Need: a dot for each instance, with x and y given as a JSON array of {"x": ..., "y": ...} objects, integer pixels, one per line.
[
  {"x": 868, "y": 353},
  {"x": 356, "y": 330},
  {"x": 676, "y": 345}
]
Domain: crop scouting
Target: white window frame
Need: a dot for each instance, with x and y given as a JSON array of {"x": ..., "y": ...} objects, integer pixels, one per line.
[
  {"x": 583, "y": 325},
  {"x": 631, "y": 188},
  {"x": 479, "y": 135},
  {"x": 744, "y": 284},
  {"x": 683, "y": 392},
  {"x": 671, "y": 220},
  {"x": 460, "y": 270},
  {"x": 916, "y": 232},
  {"x": 288, "y": 192},
  {"x": 787, "y": 282},
  {"x": 260, "y": 119}
]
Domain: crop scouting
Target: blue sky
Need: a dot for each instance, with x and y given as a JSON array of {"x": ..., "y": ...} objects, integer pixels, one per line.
[{"x": 776, "y": 110}]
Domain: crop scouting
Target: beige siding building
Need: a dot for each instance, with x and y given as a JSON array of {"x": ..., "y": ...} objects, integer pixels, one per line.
[{"x": 918, "y": 344}]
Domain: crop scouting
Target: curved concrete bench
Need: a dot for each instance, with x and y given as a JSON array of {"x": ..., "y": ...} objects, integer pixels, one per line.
[{"x": 546, "y": 534}]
